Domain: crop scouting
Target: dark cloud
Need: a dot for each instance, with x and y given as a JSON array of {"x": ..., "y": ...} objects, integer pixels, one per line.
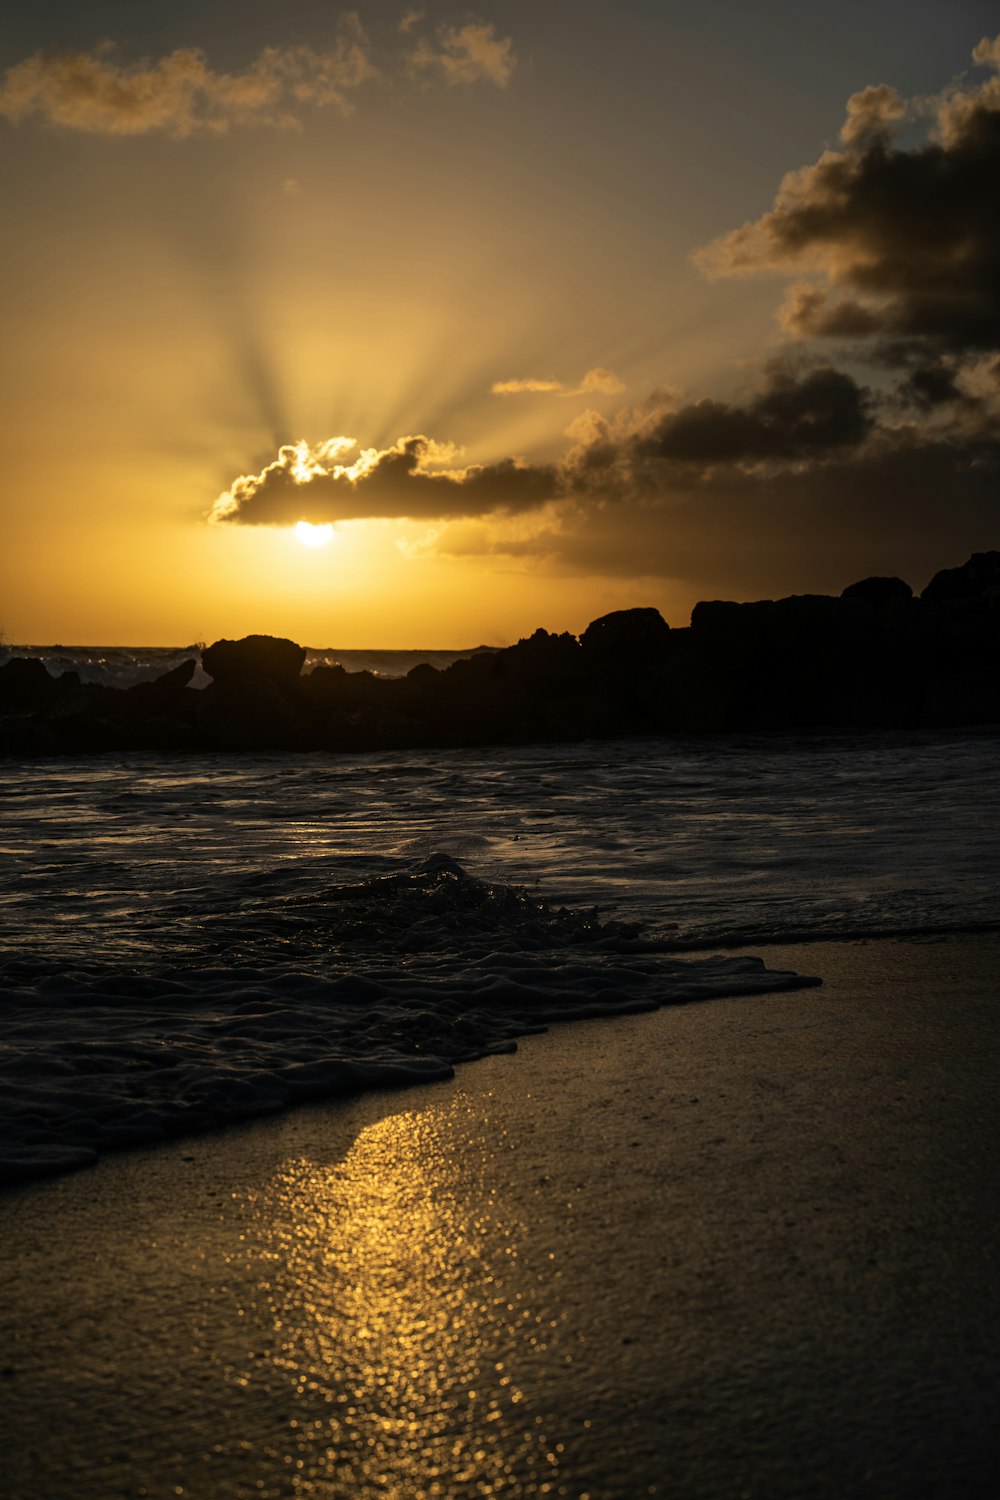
[
  {"x": 792, "y": 419},
  {"x": 796, "y": 418},
  {"x": 908, "y": 240},
  {"x": 897, "y": 505},
  {"x": 933, "y": 385},
  {"x": 406, "y": 480}
]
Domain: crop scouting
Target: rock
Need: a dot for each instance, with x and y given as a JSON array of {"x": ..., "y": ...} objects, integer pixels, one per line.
[
  {"x": 162, "y": 692},
  {"x": 975, "y": 577},
  {"x": 627, "y": 633},
  {"x": 248, "y": 713},
  {"x": 272, "y": 657},
  {"x": 335, "y": 687},
  {"x": 874, "y": 658},
  {"x": 878, "y": 591},
  {"x": 25, "y": 683}
]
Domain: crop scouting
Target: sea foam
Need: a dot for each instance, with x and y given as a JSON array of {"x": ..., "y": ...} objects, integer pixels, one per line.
[{"x": 400, "y": 978}]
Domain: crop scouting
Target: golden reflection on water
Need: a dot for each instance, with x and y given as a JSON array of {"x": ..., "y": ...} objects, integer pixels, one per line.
[{"x": 392, "y": 1283}]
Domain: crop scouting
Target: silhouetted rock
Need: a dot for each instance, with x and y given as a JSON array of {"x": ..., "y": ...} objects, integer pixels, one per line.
[
  {"x": 878, "y": 592},
  {"x": 269, "y": 656},
  {"x": 24, "y": 683},
  {"x": 626, "y": 633},
  {"x": 807, "y": 661},
  {"x": 973, "y": 578},
  {"x": 334, "y": 686},
  {"x": 163, "y": 692},
  {"x": 248, "y": 713},
  {"x": 874, "y": 658}
]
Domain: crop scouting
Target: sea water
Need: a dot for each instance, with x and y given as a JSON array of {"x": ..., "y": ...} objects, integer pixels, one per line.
[
  {"x": 715, "y": 842},
  {"x": 124, "y": 666},
  {"x": 187, "y": 941}
]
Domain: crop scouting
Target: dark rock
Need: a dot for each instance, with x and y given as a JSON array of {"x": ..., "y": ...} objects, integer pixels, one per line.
[
  {"x": 338, "y": 688},
  {"x": 626, "y": 633},
  {"x": 25, "y": 683},
  {"x": 162, "y": 692},
  {"x": 26, "y": 736},
  {"x": 975, "y": 577},
  {"x": 268, "y": 656},
  {"x": 878, "y": 592},
  {"x": 249, "y": 713},
  {"x": 807, "y": 661},
  {"x": 874, "y": 658}
]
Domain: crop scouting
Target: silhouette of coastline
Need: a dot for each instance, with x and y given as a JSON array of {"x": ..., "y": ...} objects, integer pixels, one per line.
[{"x": 875, "y": 658}]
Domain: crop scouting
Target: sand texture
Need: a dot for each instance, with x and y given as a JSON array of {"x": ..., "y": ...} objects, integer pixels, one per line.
[{"x": 744, "y": 1248}]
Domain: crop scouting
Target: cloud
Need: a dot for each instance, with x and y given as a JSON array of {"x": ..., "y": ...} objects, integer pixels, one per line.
[
  {"x": 596, "y": 382},
  {"x": 531, "y": 385},
  {"x": 180, "y": 95},
  {"x": 410, "y": 479},
  {"x": 810, "y": 312},
  {"x": 466, "y": 54},
  {"x": 813, "y": 476},
  {"x": 409, "y": 20},
  {"x": 654, "y": 450},
  {"x": 899, "y": 503},
  {"x": 907, "y": 241},
  {"x": 873, "y": 114},
  {"x": 795, "y": 418}
]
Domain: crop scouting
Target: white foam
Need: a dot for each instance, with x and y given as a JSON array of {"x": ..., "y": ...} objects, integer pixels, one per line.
[{"x": 446, "y": 968}]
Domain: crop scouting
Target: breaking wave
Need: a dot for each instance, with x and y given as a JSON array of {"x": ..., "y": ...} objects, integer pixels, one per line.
[{"x": 388, "y": 981}]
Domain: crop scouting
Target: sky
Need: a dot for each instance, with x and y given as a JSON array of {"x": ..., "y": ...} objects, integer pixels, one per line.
[{"x": 418, "y": 327}]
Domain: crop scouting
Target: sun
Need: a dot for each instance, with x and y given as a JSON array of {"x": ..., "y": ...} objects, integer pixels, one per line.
[{"x": 314, "y": 536}]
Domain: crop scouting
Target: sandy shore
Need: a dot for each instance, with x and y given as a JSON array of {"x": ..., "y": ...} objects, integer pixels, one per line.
[{"x": 746, "y": 1248}]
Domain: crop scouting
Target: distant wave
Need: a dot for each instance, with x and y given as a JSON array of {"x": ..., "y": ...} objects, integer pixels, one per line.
[{"x": 124, "y": 666}]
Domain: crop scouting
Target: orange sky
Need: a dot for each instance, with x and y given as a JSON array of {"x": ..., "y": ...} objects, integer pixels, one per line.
[{"x": 217, "y": 245}]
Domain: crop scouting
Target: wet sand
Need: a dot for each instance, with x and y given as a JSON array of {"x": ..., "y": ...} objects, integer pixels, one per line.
[{"x": 744, "y": 1248}]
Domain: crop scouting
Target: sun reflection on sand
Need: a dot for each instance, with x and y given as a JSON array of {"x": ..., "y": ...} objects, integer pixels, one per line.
[{"x": 390, "y": 1324}]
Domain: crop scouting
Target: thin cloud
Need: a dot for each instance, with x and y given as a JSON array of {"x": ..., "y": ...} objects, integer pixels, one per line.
[
  {"x": 181, "y": 95},
  {"x": 98, "y": 92},
  {"x": 596, "y": 382},
  {"x": 410, "y": 20},
  {"x": 466, "y": 54}
]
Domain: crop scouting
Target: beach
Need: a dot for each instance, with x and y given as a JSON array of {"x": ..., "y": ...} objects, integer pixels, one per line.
[
  {"x": 746, "y": 1247},
  {"x": 499, "y": 791}
]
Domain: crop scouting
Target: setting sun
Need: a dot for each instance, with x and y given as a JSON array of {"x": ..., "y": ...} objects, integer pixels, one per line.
[{"x": 314, "y": 536}]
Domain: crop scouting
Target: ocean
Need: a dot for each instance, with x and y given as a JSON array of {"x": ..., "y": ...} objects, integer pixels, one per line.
[
  {"x": 124, "y": 666},
  {"x": 197, "y": 940}
]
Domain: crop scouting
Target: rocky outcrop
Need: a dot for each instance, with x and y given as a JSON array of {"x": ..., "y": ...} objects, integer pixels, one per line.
[
  {"x": 25, "y": 684},
  {"x": 878, "y": 592},
  {"x": 272, "y": 657},
  {"x": 874, "y": 658},
  {"x": 972, "y": 580}
]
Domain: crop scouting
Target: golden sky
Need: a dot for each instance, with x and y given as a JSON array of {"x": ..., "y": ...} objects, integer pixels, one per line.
[{"x": 523, "y": 312}]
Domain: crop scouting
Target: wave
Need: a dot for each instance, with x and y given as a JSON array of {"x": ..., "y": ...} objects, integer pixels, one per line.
[
  {"x": 124, "y": 666},
  {"x": 392, "y": 980}
]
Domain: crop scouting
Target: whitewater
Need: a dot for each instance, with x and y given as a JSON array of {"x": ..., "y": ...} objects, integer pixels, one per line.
[{"x": 187, "y": 942}]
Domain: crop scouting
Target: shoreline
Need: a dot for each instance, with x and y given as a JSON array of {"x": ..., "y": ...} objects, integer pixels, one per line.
[{"x": 714, "y": 1249}]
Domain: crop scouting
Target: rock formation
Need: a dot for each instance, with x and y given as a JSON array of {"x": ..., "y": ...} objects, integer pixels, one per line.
[{"x": 874, "y": 658}]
